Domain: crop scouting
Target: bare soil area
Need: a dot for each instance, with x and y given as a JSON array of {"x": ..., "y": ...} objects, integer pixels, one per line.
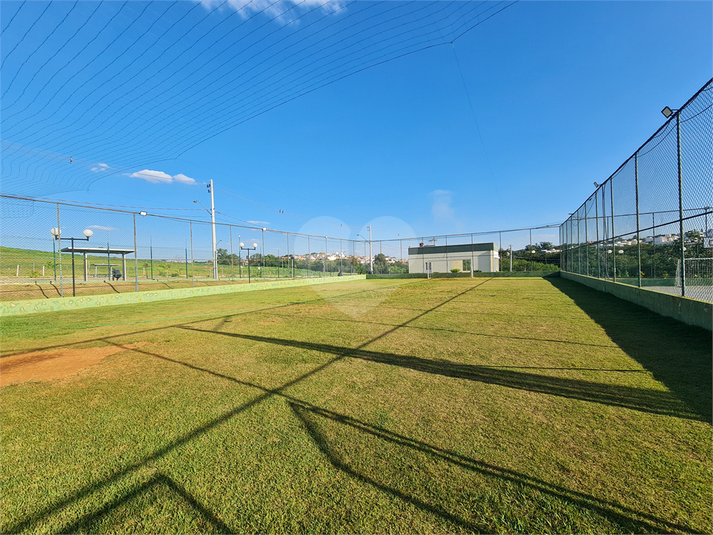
[{"x": 53, "y": 364}]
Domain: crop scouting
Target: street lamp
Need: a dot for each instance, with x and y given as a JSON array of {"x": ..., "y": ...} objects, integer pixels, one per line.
[
  {"x": 668, "y": 112},
  {"x": 248, "y": 249},
  {"x": 55, "y": 234},
  {"x": 87, "y": 234}
]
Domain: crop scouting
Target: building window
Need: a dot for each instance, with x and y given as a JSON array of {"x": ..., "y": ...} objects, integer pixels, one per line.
[{"x": 466, "y": 265}]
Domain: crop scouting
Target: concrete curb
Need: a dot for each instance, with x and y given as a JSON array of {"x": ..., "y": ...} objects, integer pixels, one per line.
[{"x": 17, "y": 308}]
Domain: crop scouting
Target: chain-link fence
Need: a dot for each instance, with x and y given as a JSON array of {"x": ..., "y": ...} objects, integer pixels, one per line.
[
  {"x": 651, "y": 223},
  {"x": 138, "y": 251}
]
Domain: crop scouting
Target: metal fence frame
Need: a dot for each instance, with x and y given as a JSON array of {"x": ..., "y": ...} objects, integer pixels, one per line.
[{"x": 678, "y": 185}]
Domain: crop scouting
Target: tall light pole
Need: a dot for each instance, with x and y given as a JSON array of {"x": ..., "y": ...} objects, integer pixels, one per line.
[
  {"x": 212, "y": 220},
  {"x": 667, "y": 112}
]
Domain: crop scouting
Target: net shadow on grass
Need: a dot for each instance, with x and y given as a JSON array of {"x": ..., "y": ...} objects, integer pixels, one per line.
[
  {"x": 471, "y": 333},
  {"x": 207, "y": 519},
  {"x": 91, "y": 488},
  {"x": 676, "y": 354},
  {"x": 641, "y": 399},
  {"x": 628, "y": 519}
]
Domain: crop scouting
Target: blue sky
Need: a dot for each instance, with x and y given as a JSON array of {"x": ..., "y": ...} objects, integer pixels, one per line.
[{"x": 506, "y": 127}]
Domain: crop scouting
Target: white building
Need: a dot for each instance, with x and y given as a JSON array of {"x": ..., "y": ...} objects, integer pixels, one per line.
[{"x": 443, "y": 258}]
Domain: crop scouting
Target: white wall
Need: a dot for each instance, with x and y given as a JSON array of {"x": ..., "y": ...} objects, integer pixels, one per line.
[{"x": 486, "y": 261}]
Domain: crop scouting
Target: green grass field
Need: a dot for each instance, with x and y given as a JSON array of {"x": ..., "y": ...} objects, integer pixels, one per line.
[{"x": 430, "y": 406}]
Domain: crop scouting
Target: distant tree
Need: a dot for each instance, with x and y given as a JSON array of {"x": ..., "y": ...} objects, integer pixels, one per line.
[
  {"x": 546, "y": 245},
  {"x": 380, "y": 265}
]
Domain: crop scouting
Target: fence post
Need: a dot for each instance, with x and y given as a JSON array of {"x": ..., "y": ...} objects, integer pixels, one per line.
[
  {"x": 193, "y": 276},
  {"x": 579, "y": 243},
  {"x": 586, "y": 240},
  {"x": 596, "y": 216},
  {"x": 653, "y": 244},
  {"x": 531, "y": 266},
  {"x": 231, "y": 251},
  {"x": 605, "y": 229},
  {"x": 613, "y": 233},
  {"x": 638, "y": 225},
  {"x": 680, "y": 204}
]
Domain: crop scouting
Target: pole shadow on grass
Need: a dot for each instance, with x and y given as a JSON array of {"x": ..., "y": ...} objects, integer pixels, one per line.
[
  {"x": 31, "y": 521},
  {"x": 676, "y": 354},
  {"x": 641, "y": 399},
  {"x": 627, "y": 519},
  {"x": 207, "y": 519}
]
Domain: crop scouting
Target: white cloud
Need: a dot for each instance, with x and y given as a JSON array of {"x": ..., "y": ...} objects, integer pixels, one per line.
[
  {"x": 99, "y": 227},
  {"x": 279, "y": 10},
  {"x": 261, "y": 223},
  {"x": 100, "y": 167},
  {"x": 441, "y": 208},
  {"x": 183, "y": 179},
  {"x": 156, "y": 177}
]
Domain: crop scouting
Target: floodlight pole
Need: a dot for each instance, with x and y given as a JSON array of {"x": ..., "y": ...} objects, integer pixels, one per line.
[{"x": 680, "y": 204}]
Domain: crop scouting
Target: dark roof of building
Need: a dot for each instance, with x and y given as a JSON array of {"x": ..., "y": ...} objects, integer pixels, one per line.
[{"x": 96, "y": 250}]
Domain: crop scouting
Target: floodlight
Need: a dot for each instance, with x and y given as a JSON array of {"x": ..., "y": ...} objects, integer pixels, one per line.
[
  {"x": 55, "y": 232},
  {"x": 596, "y": 185},
  {"x": 144, "y": 213},
  {"x": 88, "y": 233},
  {"x": 242, "y": 244},
  {"x": 667, "y": 112}
]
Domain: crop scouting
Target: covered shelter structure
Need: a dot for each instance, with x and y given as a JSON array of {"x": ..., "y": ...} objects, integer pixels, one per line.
[
  {"x": 463, "y": 257},
  {"x": 104, "y": 252}
]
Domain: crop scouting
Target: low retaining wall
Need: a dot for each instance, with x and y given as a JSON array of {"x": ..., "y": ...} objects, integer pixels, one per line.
[
  {"x": 690, "y": 311},
  {"x": 15, "y": 308}
]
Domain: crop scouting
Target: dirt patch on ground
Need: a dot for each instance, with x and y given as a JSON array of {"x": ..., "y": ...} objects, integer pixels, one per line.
[{"x": 54, "y": 364}]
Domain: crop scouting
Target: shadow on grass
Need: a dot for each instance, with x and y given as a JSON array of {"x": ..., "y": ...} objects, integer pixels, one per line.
[
  {"x": 208, "y": 521},
  {"x": 641, "y": 399},
  {"x": 628, "y": 519},
  {"x": 31, "y": 521},
  {"x": 676, "y": 354}
]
